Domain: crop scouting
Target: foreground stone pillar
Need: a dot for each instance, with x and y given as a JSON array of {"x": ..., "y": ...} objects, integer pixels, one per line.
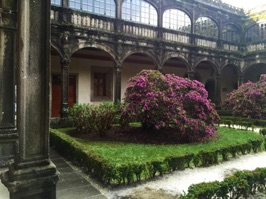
[
  {"x": 33, "y": 175},
  {"x": 8, "y": 132},
  {"x": 64, "y": 91}
]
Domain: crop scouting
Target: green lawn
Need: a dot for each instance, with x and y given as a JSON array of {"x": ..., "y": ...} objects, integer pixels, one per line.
[{"x": 129, "y": 153}]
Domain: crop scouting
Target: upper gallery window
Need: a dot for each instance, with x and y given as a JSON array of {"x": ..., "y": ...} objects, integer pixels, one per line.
[
  {"x": 56, "y": 2},
  {"x": 101, "y": 7},
  {"x": 207, "y": 27},
  {"x": 231, "y": 33},
  {"x": 176, "y": 20},
  {"x": 139, "y": 11},
  {"x": 256, "y": 32}
]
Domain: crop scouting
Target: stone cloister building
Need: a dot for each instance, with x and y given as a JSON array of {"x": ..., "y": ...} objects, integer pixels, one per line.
[{"x": 98, "y": 45}]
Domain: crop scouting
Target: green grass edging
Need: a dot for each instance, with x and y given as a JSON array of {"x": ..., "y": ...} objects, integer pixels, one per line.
[
  {"x": 128, "y": 168},
  {"x": 240, "y": 184}
]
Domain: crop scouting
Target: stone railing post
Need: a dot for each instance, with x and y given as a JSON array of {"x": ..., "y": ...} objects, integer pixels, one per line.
[{"x": 32, "y": 175}]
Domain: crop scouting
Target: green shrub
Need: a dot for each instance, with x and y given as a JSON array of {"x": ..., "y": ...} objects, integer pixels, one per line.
[
  {"x": 204, "y": 190},
  {"x": 97, "y": 118},
  {"x": 263, "y": 132},
  {"x": 236, "y": 187},
  {"x": 171, "y": 102},
  {"x": 179, "y": 162},
  {"x": 102, "y": 117},
  {"x": 208, "y": 158},
  {"x": 249, "y": 100},
  {"x": 240, "y": 185},
  {"x": 123, "y": 116},
  {"x": 81, "y": 117}
]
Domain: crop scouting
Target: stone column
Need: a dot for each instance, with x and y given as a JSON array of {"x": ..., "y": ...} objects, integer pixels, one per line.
[
  {"x": 65, "y": 3},
  {"x": 240, "y": 80},
  {"x": 8, "y": 132},
  {"x": 64, "y": 86},
  {"x": 191, "y": 75},
  {"x": 118, "y": 9},
  {"x": 218, "y": 91},
  {"x": 32, "y": 175},
  {"x": 118, "y": 71}
]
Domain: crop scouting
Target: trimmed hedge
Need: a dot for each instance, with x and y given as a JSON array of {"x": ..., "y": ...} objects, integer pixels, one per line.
[
  {"x": 224, "y": 113},
  {"x": 115, "y": 174},
  {"x": 245, "y": 122},
  {"x": 61, "y": 122},
  {"x": 240, "y": 184}
]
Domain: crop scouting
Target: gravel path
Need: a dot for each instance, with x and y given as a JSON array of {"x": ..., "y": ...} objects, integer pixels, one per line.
[{"x": 178, "y": 182}]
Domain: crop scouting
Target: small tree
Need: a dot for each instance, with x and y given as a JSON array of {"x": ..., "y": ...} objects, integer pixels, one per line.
[
  {"x": 168, "y": 101},
  {"x": 249, "y": 100}
]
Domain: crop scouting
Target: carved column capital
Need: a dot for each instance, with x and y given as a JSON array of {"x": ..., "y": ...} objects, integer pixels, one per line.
[{"x": 65, "y": 36}]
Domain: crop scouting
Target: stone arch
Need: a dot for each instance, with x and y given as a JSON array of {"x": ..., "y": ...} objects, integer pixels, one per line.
[
  {"x": 187, "y": 23},
  {"x": 227, "y": 35},
  {"x": 206, "y": 70},
  {"x": 147, "y": 53},
  {"x": 211, "y": 62},
  {"x": 233, "y": 24},
  {"x": 132, "y": 63},
  {"x": 153, "y": 3},
  {"x": 150, "y": 3},
  {"x": 178, "y": 8},
  {"x": 199, "y": 26},
  {"x": 58, "y": 50},
  {"x": 94, "y": 68},
  {"x": 175, "y": 63},
  {"x": 231, "y": 77},
  {"x": 237, "y": 68},
  {"x": 179, "y": 56},
  {"x": 255, "y": 32},
  {"x": 102, "y": 47},
  {"x": 256, "y": 69}
]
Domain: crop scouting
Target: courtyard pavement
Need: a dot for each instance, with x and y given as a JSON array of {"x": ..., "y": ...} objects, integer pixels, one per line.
[{"x": 72, "y": 183}]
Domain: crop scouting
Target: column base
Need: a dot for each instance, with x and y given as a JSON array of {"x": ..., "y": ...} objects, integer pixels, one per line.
[
  {"x": 38, "y": 182},
  {"x": 8, "y": 139},
  {"x": 64, "y": 110}
]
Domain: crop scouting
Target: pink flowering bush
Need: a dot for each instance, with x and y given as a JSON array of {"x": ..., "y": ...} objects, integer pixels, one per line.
[
  {"x": 171, "y": 102},
  {"x": 249, "y": 100}
]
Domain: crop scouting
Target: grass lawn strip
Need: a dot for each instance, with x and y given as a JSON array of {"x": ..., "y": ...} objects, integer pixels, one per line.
[{"x": 119, "y": 153}]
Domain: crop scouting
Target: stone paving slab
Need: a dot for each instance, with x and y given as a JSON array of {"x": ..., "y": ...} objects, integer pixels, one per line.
[{"x": 71, "y": 184}]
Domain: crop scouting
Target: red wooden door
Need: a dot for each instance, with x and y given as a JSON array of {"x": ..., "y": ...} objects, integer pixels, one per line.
[{"x": 56, "y": 94}]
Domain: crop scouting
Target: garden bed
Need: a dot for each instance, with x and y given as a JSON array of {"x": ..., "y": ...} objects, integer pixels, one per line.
[{"x": 115, "y": 161}]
